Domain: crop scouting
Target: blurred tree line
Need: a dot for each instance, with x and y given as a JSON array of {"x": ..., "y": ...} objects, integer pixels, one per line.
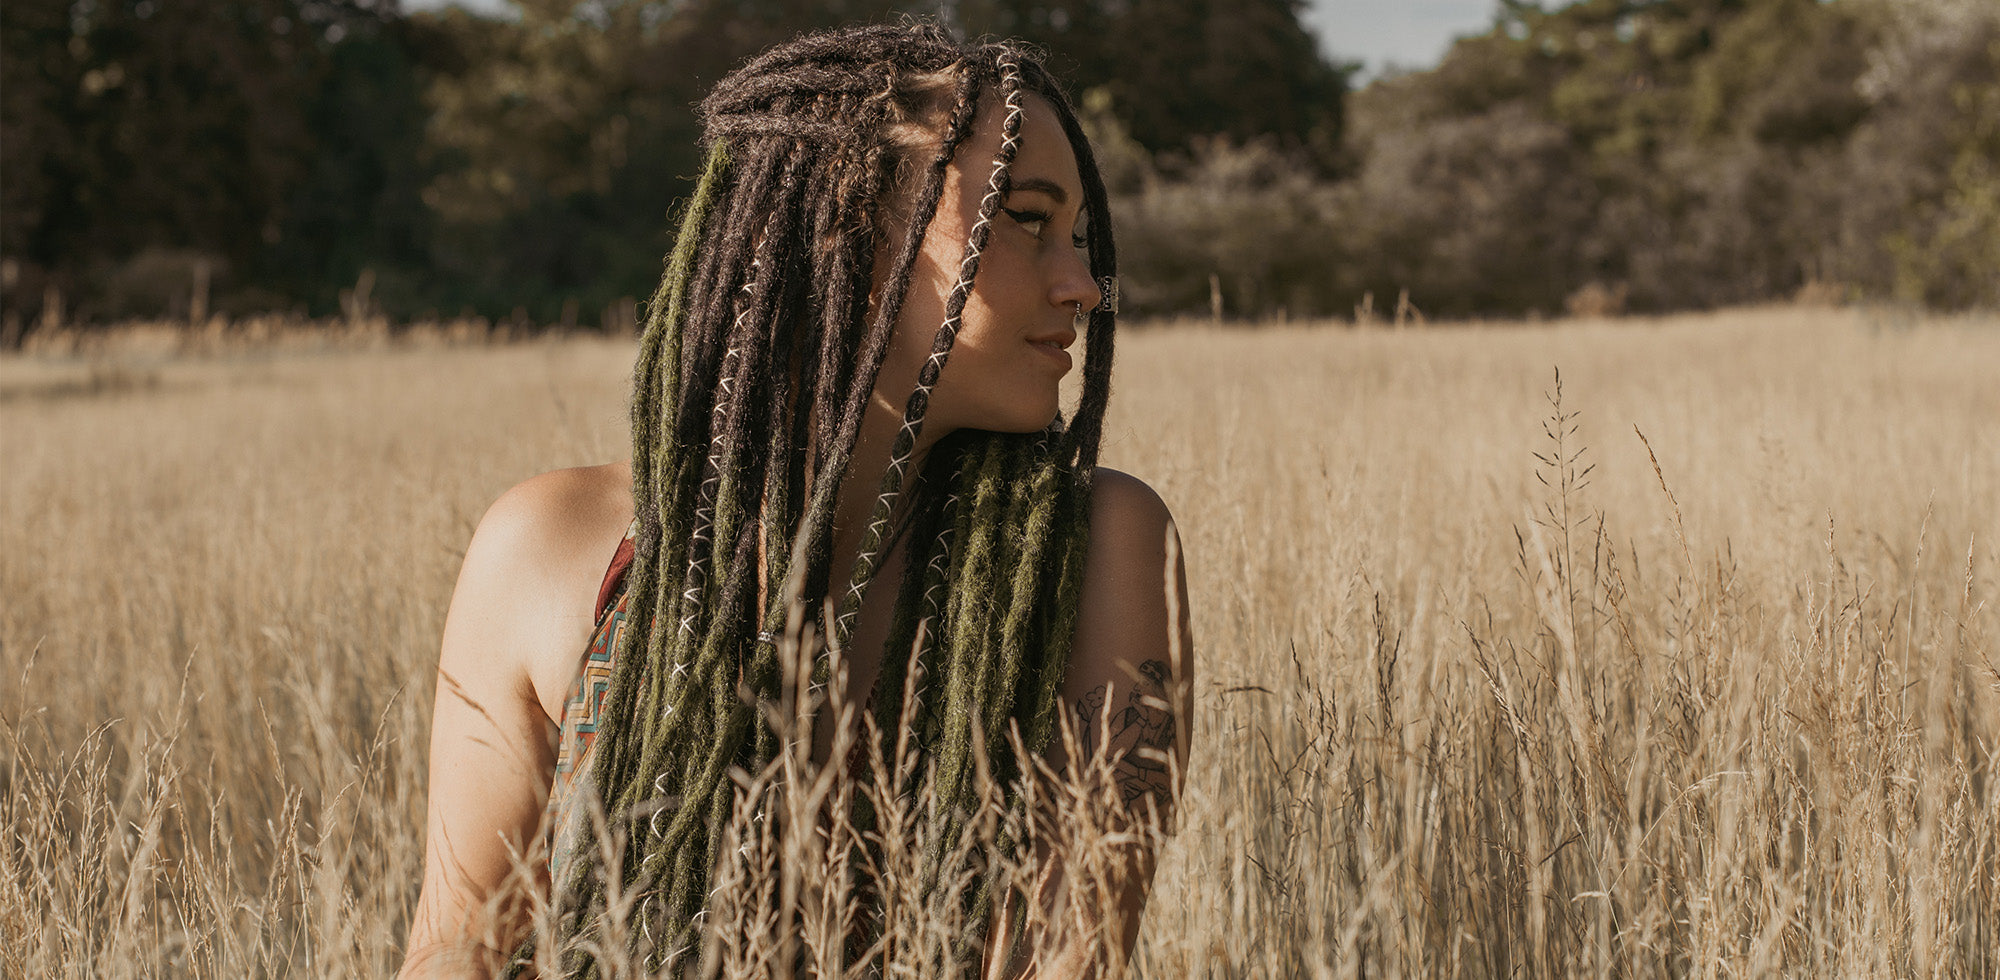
[
  {"x": 235, "y": 156},
  {"x": 1609, "y": 155},
  {"x": 188, "y": 156}
]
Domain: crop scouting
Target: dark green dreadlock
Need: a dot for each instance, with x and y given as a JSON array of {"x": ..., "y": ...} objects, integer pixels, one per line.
[{"x": 755, "y": 367}]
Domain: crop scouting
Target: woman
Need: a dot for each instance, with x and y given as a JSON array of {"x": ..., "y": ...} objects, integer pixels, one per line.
[{"x": 846, "y": 425}]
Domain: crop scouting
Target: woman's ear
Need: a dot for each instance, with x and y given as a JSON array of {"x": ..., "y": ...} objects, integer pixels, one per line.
[{"x": 875, "y": 280}]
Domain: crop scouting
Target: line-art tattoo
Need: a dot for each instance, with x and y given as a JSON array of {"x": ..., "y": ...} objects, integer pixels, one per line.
[{"x": 1145, "y": 721}]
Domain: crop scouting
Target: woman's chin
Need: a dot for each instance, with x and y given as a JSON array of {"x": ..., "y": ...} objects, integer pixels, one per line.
[
  {"x": 1022, "y": 422},
  {"x": 1017, "y": 416}
]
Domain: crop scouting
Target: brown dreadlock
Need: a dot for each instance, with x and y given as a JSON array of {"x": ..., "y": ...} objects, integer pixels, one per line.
[{"x": 756, "y": 364}]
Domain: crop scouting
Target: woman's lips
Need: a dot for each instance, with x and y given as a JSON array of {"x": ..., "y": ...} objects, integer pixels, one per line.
[{"x": 1053, "y": 350}]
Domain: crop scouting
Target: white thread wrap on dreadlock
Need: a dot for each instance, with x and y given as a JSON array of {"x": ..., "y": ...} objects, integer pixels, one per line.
[{"x": 704, "y": 521}]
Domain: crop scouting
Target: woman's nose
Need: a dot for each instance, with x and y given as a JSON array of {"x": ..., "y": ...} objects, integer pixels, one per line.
[{"x": 1073, "y": 284}]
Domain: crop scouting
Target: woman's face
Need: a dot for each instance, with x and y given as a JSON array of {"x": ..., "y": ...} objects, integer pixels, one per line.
[{"x": 1011, "y": 352}]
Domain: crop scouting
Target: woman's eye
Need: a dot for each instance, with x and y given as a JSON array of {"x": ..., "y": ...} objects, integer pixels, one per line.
[
  {"x": 1032, "y": 221},
  {"x": 1080, "y": 242}
]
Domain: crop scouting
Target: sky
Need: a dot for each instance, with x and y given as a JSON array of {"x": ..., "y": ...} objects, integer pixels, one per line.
[
  {"x": 1404, "y": 33},
  {"x": 1377, "y": 33}
]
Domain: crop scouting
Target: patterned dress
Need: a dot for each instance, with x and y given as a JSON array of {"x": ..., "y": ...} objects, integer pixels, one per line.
[{"x": 568, "y": 811}]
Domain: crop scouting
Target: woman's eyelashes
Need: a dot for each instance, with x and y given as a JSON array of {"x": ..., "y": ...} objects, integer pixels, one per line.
[
  {"x": 1033, "y": 222},
  {"x": 1036, "y": 224}
]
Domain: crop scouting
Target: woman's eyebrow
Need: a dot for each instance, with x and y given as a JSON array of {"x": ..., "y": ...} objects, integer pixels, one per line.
[{"x": 1042, "y": 184}]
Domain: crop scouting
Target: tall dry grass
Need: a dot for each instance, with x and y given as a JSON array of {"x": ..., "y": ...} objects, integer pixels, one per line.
[{"x": 1490, "y": 686}]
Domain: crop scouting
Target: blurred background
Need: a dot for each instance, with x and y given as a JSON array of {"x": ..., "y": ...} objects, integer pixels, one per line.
[{"x": 1270, "y": 159}]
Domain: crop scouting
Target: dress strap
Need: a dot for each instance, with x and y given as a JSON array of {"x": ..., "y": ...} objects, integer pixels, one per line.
[{"x": 614, "y": 577}]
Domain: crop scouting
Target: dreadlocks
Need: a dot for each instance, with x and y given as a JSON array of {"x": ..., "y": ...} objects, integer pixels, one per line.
[{"x": 761, "y": 349}]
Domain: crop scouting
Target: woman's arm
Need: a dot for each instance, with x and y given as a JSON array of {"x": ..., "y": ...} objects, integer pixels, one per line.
[
  {"x": 520, "y": 612},
  {"x": 1127, "y": 699}
]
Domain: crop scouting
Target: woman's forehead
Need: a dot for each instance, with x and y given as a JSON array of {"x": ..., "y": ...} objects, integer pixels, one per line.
[{"x": 1044, "y": 162}]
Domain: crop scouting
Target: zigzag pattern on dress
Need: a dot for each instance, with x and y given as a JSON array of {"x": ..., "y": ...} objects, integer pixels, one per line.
[{"x": 583, "y": 708}]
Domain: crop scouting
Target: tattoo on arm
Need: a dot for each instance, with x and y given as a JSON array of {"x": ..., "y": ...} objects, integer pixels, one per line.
[{"x": 1145, "y": 720}]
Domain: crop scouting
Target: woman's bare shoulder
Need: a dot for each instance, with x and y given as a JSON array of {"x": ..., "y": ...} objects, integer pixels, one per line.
[
  {"x": 528, "y": 589},
  {"x": 1134, "y": 551},
  {"x": 555, "y": 511},
  {"x": 1126, "y": 513}
]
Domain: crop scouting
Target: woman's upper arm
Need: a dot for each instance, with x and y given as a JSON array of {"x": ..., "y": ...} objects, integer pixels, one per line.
[
  {"x": 1125, "y": 700},
  {"x": 492, "y": 746},
  {"x": 1128, "y": 692}
]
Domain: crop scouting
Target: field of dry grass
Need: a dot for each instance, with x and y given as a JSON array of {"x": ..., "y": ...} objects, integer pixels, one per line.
[{"x": 1489, "y": 687}]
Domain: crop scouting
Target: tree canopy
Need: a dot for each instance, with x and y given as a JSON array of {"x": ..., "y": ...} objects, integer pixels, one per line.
[
  {"x": 1660, "y": 153},
  {"x": 1627, "y": 154},
  {"x": 489, "y": 164}
]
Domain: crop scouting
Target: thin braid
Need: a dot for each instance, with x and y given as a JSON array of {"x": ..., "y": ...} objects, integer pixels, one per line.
[
  {"x": 947, "y": 334},
  {"x": 811, "y": 558},
  {"x": 919, "y": 607}
]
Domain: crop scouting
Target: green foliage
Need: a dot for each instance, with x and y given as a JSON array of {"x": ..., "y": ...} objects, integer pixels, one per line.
[
  {"x": 467, "y": 164},
  {"x": 1682, "y": 153},
  {"x": 1247, "y": 215},
  {"x": 1951, "y": 255},
  {"x": 144, "y": 125},
  {"x": 1181, "y": 71},
  {"x": 1486, "y": 252},
  {"x": 1671, "y": 153}
]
